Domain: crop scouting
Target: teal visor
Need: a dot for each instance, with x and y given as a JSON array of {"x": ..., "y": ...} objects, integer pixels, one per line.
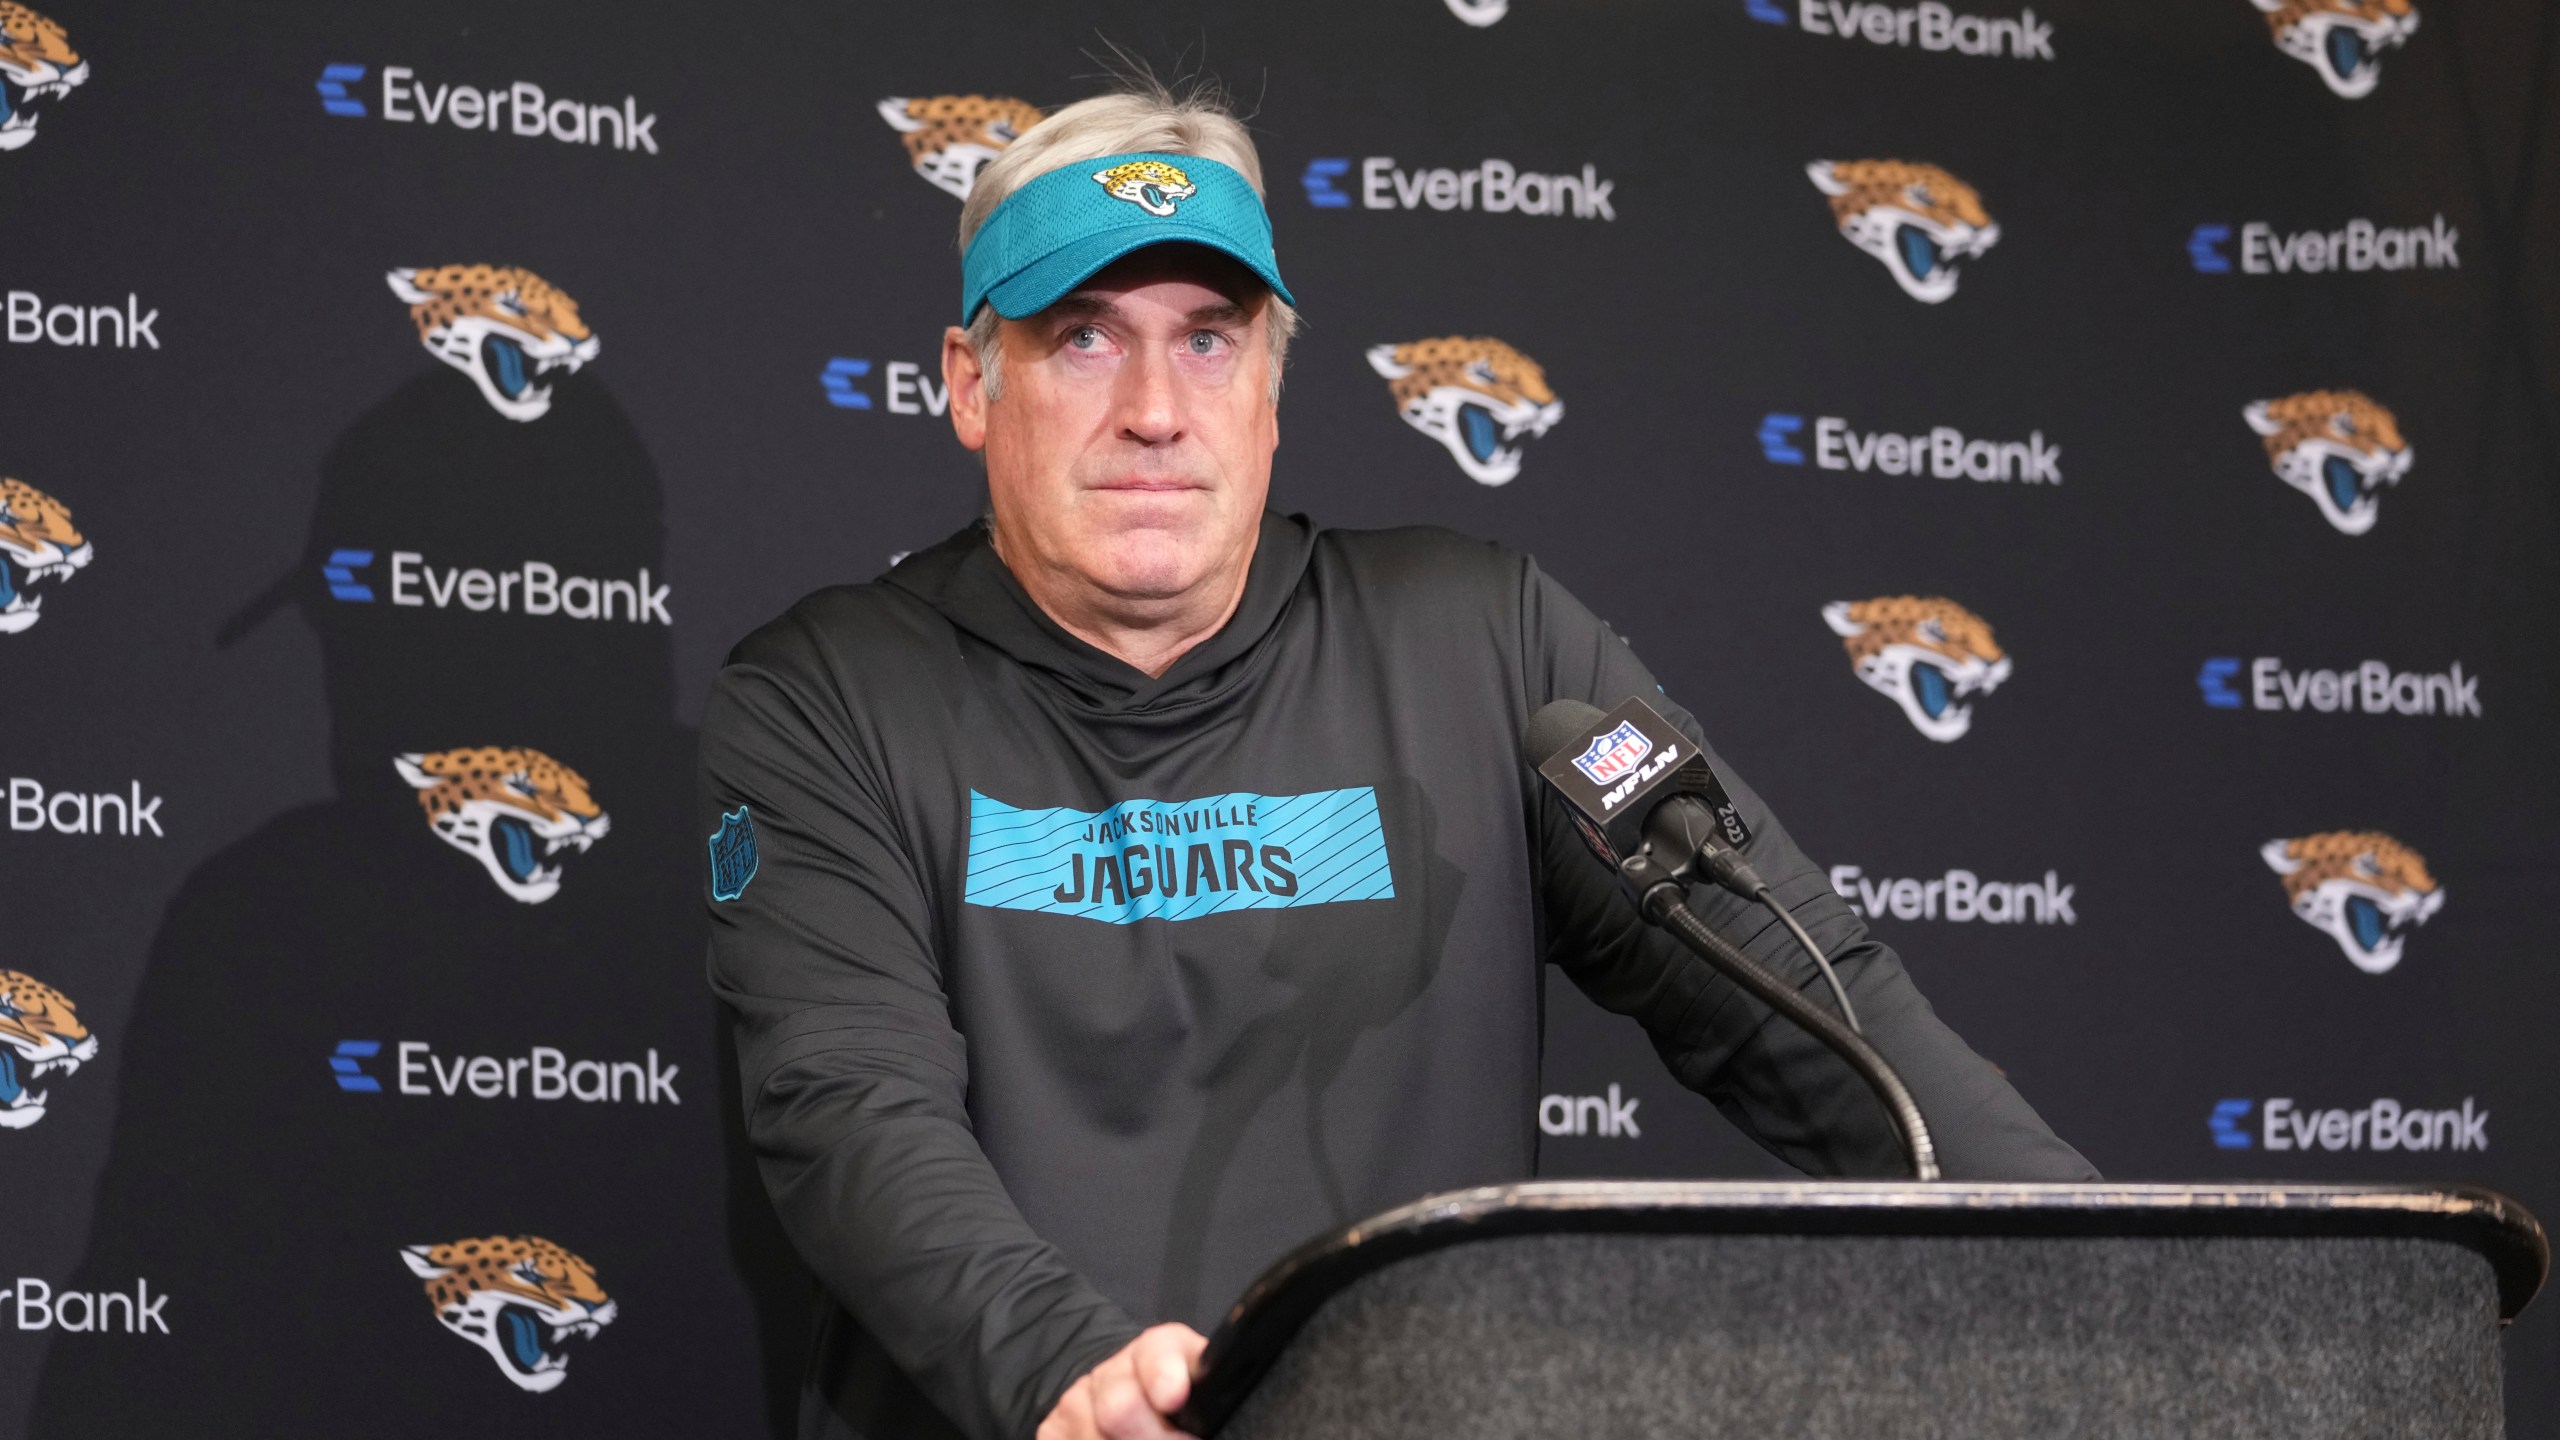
[{"x": 1052, "y": 234}]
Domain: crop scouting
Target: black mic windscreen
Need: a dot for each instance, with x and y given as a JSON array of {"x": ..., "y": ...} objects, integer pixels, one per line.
[{"x": 1558, "y": 724}]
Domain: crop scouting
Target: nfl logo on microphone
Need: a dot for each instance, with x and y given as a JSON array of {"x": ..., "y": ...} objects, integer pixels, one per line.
[{"x": 1613, "y": 754}]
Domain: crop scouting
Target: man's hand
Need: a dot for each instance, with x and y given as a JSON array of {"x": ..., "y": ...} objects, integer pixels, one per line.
[{"x": 1129, "y": 1396}]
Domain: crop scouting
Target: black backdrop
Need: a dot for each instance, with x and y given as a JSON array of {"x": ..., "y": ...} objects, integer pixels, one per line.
[{"x": 741, "y": 434}]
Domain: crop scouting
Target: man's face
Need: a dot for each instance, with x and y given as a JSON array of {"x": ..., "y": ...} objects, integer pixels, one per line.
[{"x": 1130, "y": 452}]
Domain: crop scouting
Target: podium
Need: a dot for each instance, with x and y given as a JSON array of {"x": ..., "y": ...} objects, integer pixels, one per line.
[{"x": 1867, "y": 1309}]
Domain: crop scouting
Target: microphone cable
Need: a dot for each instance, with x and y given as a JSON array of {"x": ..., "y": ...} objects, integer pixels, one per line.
[
  {"x": 1839, "y": 992},
  {"x": 1727, "y": 868}
]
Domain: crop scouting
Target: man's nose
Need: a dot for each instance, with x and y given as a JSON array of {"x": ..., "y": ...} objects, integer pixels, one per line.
[{"x": 1150, "y": 399}]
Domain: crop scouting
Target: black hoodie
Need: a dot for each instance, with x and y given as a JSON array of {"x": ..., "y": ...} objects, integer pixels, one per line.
[{"x": 1068, "y": 999}]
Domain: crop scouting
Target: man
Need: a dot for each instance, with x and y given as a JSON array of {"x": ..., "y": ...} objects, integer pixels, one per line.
[{"x": 1141, "y": 883}]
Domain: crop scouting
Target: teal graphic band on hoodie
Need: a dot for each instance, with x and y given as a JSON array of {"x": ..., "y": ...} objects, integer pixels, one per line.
[{"x": 1179, "y": 860}]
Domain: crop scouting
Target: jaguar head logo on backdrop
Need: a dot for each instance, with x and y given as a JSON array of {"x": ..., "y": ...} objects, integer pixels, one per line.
[
  {"x": 2360, "y": 887},
  {"x": 37, "y": 542},
  {"x": 950, "y": 138},
  {"x": 1918, "y": 219},
  {"x": 40, "y": 1035},
  {"x": 517, "y": 1297},
  {"x": 36, "y": 60},
  {"x": 1480, "y": 13},
  {"x": 509, "y": 809},
  {"x": 502, "y": 326},
  {"x": 2342, "y": 39},
  {"x": 1923, "y": 654},
  {"x": 2336, "y": 446},
  {"x": 1475, "y": 396}
]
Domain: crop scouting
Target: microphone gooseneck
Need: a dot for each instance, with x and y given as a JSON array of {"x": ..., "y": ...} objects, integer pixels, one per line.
[{"x": 1665, "y": 902}]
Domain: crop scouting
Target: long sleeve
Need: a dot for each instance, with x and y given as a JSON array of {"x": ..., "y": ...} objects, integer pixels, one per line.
[
  {"x": 855, "y": 1078},
  {"x": 1779, "y": 1084}
]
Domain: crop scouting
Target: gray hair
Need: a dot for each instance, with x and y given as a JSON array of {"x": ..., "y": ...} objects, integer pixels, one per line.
[{"x": 1145, "y": 116}]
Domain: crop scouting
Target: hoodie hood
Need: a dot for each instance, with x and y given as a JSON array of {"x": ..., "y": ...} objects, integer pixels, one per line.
[{"x": 965, "y": 582}]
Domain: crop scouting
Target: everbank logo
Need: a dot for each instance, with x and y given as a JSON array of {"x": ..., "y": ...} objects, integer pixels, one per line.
[
  {"x": 1496, "y": 187},
  {"x": 1927, "y": 26},
  {"x": 540, "y": 1073},
  {"x": 1959, "y": 896},
  {"x": 2382, "y": 1125},
  {"x": 534, "y": 587},
  {"x": 1611, "y": 1116},
  {"x": 1941, "y": 452},
  {"x": 37, "y": 1305},
  {"x": 2355, "y": 247},
  {"x": 519, "y": 107},
  {"x": 907, "y": 387},
  {"x": 2373, "y": 688},
  {"x": 110, "y": 327},
  {"x": 68, "y": 812}
]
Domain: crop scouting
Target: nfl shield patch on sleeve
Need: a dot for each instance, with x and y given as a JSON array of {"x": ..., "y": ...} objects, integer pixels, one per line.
[{"x": 733, "y": 855}]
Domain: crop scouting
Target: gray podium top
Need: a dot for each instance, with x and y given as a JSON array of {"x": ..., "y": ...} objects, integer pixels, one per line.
[{"x": 1271, "y": 1314}]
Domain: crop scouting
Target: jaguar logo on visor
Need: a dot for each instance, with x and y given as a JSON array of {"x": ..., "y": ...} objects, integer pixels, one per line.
[{"x": 1151, "y": 185}]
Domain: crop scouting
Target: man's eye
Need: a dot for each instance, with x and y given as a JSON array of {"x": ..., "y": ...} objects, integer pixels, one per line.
[
  {"x": 1084, "y": 337},
  {"x": 1205, "y": 342}
]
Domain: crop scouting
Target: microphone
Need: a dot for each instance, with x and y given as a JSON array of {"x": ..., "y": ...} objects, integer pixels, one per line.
[
  {"x": 1623, "y": 771},
  {"x": 1647, "y": 803}
]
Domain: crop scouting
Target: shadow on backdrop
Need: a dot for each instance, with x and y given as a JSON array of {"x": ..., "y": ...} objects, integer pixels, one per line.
[{"x": 269, "y": 1195}]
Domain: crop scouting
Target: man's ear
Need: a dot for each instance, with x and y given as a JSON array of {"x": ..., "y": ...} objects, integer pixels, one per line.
[{"x": 965, "y": 381}]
